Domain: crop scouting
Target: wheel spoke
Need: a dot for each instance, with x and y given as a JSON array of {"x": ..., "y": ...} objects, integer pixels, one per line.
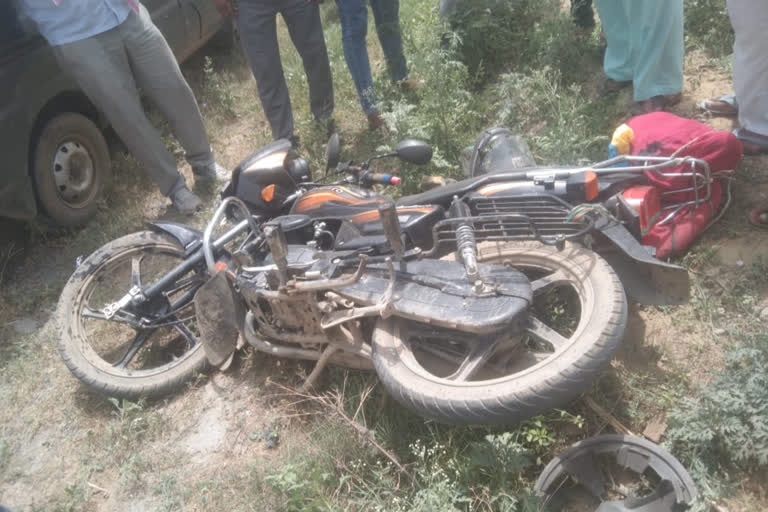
[
  {"x": 188, "y": 335},
  {"x": 121, "y": 317},
  {"x": 482, "y": 348},
  {"x": 138, "y": 341},
  {"x": 552, "y": 280},
  {"x": 90, "y": 313},
  {"x": 136, "y": 271},
  {"x": 543, "y": 332}
]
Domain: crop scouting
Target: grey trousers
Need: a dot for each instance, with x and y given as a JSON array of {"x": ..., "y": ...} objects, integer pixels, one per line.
[
  {"x": 750, "y": 62},
  {"x": 111, "y": 66},
  {"x": 257, "y": 24}
]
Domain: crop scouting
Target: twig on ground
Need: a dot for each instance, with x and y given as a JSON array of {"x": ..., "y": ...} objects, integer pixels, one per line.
[
  {"x": 334, "y": 402},
  {"x": 100, "y": 489},
  {"x": 607, "y": 416},
  {"x": 716, "y": 507}
]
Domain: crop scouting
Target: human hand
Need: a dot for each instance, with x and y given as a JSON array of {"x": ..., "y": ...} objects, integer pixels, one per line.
[{"x": 226, "y": 8}]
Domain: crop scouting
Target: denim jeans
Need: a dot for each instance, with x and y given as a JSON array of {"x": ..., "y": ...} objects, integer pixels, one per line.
[{"x": 353, "y": 15}]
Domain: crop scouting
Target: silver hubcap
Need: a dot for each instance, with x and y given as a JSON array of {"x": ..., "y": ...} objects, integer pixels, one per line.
[{"x": 73, "y": 172}]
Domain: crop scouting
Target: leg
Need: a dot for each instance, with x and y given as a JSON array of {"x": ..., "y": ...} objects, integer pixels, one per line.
[
  {"x": 256, "y": 22},
  {"x": 657, "y": 38},
  {"x": 100, "y": 66},
  {"x": 619, "y": 56},
  {"x": 158, "y": 75},
  {"x": 353, "y": 15},
  {"x": 386, "y": 13},
  {"x": 306, "y": 31},
  {"x": 582, "y": 13},
  {"x": 750, "y": 63}
]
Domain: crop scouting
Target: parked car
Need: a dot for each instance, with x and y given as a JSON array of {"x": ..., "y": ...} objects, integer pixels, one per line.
[{"x": 55, "y": 158}]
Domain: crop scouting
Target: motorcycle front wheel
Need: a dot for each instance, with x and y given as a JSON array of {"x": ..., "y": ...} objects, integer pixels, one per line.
[
  {"x": 575, "y": 325},
  {"x": 119, "y": 356}
]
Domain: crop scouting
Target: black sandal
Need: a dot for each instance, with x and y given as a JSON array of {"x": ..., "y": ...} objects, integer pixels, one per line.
[
  {"x": 609, "y": 87},
  {"x": 655, "y": 104}
]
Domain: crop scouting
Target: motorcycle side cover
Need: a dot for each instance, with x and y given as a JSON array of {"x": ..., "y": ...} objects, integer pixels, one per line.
[{"x": 437, "y": 292}]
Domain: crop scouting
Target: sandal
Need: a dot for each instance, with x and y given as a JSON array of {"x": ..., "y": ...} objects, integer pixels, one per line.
[
  {"x": 609, "y": 86},
  {"x": 725, "y": 105},
  {"x": 655, "y": 104},
  {"x": 754, "y": 144},
  {"x": 759, "y": 216}
]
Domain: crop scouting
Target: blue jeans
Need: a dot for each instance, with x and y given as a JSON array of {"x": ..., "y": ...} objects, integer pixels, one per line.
[{"x": 353, "y": 15}]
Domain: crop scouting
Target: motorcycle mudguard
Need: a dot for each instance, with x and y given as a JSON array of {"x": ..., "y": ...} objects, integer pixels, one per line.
[
  {"x": 646, "y": 279},
  {"x": 185, "y": 235},
  {"x": 220, "y": 313}
]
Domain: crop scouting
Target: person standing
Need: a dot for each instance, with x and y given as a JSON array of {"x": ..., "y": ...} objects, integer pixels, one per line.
[
  {"x": 111, "y": 48},
  {"x": 749, "y": 19},
  {"x": 257, "y": 25},
  {"x": 353, "y": 15},
  {"x": 645, "y": 48}
]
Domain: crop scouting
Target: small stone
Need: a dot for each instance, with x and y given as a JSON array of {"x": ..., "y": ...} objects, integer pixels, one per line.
[
  {"x": 764, "y": 313},
  {"x": 655, "y": 429},
  {"x": 719, "y": 331},
  {"x": 740, "y": 263}
]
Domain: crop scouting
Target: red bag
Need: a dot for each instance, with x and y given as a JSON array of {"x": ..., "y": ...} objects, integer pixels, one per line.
[{"x": 663, "y": 134}]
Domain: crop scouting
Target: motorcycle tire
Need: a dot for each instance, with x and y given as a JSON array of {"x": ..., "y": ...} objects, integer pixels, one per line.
[
  {"x": 550, "y": 380},
  {"x": 79, "y": 348}
]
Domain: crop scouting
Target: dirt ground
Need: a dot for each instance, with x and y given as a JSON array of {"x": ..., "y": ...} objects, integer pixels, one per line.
[{"x": 63, "y": 446}]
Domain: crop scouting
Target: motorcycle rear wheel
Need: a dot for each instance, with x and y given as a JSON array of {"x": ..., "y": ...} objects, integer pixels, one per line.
[
  {"x": 98, "y": 351},
  {"x": 436, "y": 373}
]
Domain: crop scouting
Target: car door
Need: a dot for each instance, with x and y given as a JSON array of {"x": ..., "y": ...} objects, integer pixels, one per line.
[
  {"x": 203, "y": 15},
  {"x": 167, "y": 15},
  {"x": 18, "y": 47}
]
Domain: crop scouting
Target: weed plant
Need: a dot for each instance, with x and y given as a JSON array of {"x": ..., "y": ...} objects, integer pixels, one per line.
[{"x": 708, "y": 27}]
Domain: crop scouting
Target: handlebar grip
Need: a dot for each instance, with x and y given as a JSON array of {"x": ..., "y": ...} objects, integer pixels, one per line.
[{"x": 381, "y": 179}]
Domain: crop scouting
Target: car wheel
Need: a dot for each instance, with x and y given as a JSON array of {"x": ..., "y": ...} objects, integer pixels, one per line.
[{"x": 71, "y": 168}]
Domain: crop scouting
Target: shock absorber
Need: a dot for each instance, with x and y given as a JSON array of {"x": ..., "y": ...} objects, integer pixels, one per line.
[{"x": 466, "y": 246}]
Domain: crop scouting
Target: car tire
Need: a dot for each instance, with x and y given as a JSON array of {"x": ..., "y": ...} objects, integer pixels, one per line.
[{"x": 71, "y": 168}]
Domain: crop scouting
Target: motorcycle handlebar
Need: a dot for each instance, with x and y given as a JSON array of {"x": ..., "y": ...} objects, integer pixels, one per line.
[{"x": 376, "y": 178}]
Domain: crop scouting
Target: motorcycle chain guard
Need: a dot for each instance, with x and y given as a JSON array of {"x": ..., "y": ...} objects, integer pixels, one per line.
[
  {"x": 437, "y": 292},
  {"x": 220, "y": 313}
]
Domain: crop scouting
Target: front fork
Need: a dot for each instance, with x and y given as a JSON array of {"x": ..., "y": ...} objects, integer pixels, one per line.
[{"x": 140, "y": 294}]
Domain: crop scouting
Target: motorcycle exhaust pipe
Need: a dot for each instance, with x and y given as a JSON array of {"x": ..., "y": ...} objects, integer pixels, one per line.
[{"x": 391, "y": 224}]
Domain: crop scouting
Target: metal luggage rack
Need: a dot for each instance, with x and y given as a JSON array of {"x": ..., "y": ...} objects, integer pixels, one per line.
[
  {"x": 506, "y": 227},
  {"x": 697, "y": 171}
]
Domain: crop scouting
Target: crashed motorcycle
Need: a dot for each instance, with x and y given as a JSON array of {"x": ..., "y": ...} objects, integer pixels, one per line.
[{"x": 488, "y": 300}]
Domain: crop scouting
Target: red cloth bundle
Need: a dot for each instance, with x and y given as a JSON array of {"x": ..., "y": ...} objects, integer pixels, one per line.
[{"x": 663, "y": 134}]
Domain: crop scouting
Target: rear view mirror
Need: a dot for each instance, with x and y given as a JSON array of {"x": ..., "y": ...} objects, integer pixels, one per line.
[
  {"x": 332, "y": 152},
  {"x": 414, "y": 151}
]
